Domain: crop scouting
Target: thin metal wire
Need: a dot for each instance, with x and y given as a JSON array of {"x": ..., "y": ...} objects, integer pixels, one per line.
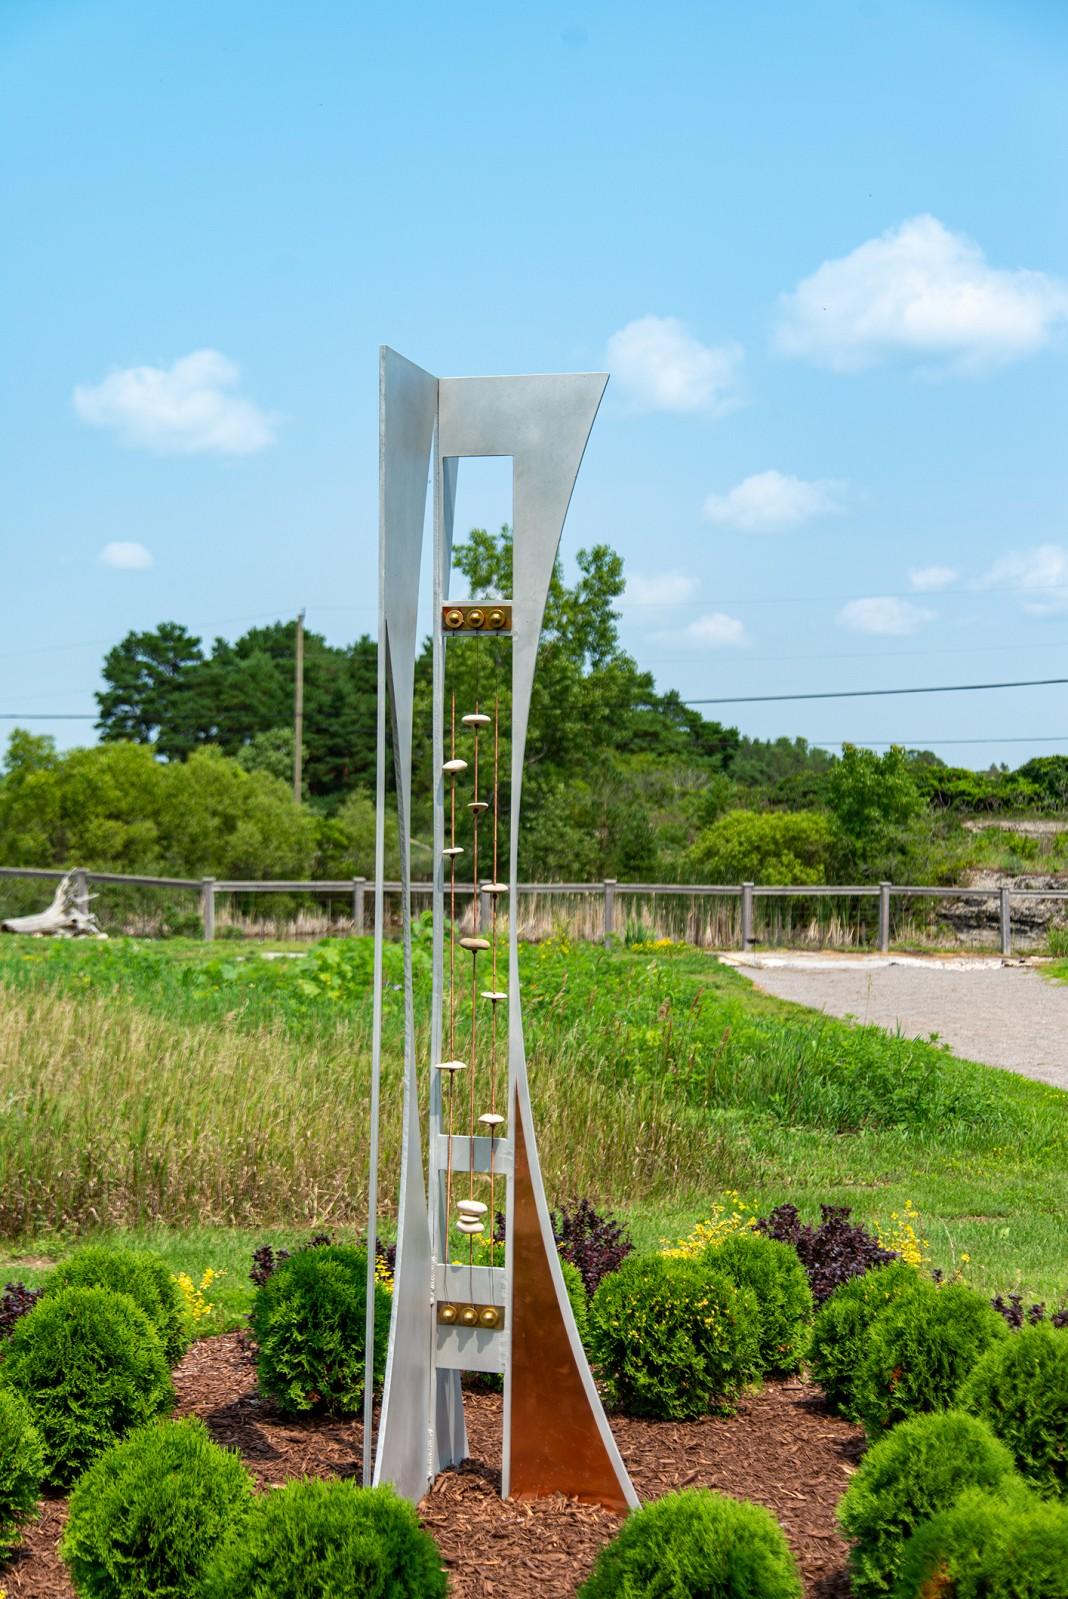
[
  {"x": 493, "y": 960},
  {"x": 452, "y": 966}
]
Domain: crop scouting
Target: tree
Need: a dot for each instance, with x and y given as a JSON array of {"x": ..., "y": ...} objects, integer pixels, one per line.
[
  {"x": 873, "y": 798},
  {"x": 150, "y": 697},
  {"x": 764, "y": 847}
]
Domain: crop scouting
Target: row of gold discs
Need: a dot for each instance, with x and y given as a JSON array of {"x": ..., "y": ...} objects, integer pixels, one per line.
[{"x": 471, "y": 1212}]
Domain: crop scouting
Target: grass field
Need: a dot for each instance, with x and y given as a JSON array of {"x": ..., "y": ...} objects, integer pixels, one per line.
[{"x": 208, "y": 1099}]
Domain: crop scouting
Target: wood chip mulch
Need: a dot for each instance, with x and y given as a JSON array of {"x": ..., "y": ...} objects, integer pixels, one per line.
[{"x": 783, "y": 1449}]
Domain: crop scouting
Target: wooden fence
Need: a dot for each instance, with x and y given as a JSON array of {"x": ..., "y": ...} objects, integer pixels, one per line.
[{"x": 609, "y": 892}]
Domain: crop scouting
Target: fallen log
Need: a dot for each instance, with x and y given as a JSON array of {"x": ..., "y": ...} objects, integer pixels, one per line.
[{"x": 68, "y": 916}]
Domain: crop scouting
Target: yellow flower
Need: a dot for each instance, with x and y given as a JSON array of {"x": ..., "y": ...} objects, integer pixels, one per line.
[{"x": 196, "y": 1303}]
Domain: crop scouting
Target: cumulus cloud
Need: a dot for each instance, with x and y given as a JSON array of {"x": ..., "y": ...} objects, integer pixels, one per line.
[
  {"x": 928, "y": 579},
  {"x": 884, "y": 614},
  {"x": 717, "y": 631},
  {"x": 189, "y": 408},
  {"x": 770, "y": 501},
  {"x": 1040, "y": 574},
  {"x": 664, "y": 588},
  {"x": 661, "y": 366},
  {"x": 919, "y": 291},
  {"x": 130, "y": 557}
]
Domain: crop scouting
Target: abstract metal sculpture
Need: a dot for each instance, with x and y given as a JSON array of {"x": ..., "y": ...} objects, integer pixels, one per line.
[{"x": 453, "y": 1316}]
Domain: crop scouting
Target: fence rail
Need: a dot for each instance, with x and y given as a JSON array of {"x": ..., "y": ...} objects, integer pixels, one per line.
[{"x": 360, "y": 888}]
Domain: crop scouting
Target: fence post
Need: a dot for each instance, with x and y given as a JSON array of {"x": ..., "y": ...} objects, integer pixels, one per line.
[
  {"x": 609, "y": 908},
  {"x": 207, "y": 906},
  {"x": 1006, "y": 924},
  {"x": 747, "y": 915},
  {"x": 358, "y": 884},
  {"x": 884, "y": 918},
  {"x": 485, "y": 908}
]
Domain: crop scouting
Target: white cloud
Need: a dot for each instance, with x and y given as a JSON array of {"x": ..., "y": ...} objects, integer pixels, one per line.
[
  {"x": 1040, "y": 574},
  {"x": 131, "y": 557},
  {"x": 771, "y": 500},
  {"x": 919, "y": 290},
  {"x": 717, "y": 631},
  {"x": 662, "y": 367},
  {"x": 927, "y": 579},
  {"x": 883, "y": 614},
  {"x": 185, "y": 409},
  {"x": 663, "y": 588}
]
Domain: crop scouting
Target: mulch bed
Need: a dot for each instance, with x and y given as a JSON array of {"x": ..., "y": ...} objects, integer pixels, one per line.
[{"x": 783, "y": 1449}]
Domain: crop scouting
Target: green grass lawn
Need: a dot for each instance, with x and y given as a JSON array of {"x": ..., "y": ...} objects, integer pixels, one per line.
[{"x": 203, "y": 1100}]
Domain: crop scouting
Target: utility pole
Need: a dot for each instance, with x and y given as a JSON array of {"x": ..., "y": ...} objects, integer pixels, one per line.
[{"x": 298, "y": 713}]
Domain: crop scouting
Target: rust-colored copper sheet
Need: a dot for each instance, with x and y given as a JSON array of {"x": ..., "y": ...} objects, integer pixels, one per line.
[{"x": 556, "y": 1447}]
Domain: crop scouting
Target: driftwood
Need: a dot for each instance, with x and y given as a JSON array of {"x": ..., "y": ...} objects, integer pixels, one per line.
[{"x": 68, "y": 916}]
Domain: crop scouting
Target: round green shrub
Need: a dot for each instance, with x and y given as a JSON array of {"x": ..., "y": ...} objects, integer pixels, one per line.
[
  {"x": 918, "y": 1469},
  {"x": 327, "y": 1540},
  {"x": 577, "y": 1297},
  {"x": 144, "y": 1276},
  {"x": 673, "y": 1338},
  {"x": 696, "y": 1545},
  {"x": 308, "y": 1323},
  {"x": 840, "y": 1330},
  {"x": 91, "y": 1367},
  {"x": 920, "y": 1350},
  {"x": 1020, "y": 1387},
  {"x": 22, "y": 1465},
  {"x": 775, "y": 1274},
  {"x": 150, "y": 1512},
  {"x": 989, "y": 1546}
]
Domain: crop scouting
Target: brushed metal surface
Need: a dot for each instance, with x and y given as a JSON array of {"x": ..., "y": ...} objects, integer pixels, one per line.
[{"x": 408, "y": 401}]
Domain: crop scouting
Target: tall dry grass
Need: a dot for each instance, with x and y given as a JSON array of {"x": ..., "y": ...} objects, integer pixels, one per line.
[{"x": 113, "y": 1114}]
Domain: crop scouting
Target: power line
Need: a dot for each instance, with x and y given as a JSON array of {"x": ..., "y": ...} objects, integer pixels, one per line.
[{"x": 875, "y": 693}]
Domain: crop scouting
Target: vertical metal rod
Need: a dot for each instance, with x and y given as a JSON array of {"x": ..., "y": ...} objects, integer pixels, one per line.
[
  {"x": 1006, "y": 922},
  {"x": 298, "y": 714},
  {"x": 376, "y": 1030},
  {"x": 207, "y": 907},
  {"x": 747, "y": 915},
  {"x": 884, "y": 918},
  {"x": 609, "y": 908}
]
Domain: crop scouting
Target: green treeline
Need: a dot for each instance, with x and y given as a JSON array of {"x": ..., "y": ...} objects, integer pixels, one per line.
[{"x": 193, "y": 772}]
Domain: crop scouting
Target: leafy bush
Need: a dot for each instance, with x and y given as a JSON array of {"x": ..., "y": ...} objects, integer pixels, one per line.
[
  {"x": 673, "y": 1338},
  {"x": 149, "y": 1513},
  {"x": 266, "y": 1259},
  {"x": 22, "y": 1465},
  {"x": 777, "y": 1278},
  {"x": 577, "y": 1297},
  {"x": 308, "y": 1323},
  {"x": 840, "y": 1330},
  {"x": 920, "y": 1350},
  {"x": 831, "y": 1253},
  {"x": 918, "y": 1469},
  {"x": 15, "y": 1301},
  {"x": 1011, "y": 1308},
  {"x": 764, "y": 847},
  {"x": 988, "y": 1546},
  {"x": 595, "y": 1244},
  {"x": 91, "y": 1367},
  {"x": 1020, "y": 1387},
  {"x": 696, "y": 1545},
  {"x": 322, "y": 1540},
  {"x": 144, "y": 1276}
]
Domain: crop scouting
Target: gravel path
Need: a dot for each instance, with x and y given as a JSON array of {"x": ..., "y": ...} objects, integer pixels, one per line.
[{"x": 1007, "y": 1016}]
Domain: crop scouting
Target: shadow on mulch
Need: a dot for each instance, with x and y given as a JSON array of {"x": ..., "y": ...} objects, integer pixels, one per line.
[{"x": 782, "y": 1449}]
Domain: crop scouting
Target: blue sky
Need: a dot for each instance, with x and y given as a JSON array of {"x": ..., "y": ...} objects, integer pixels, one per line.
[{"x": 822, "y": 248}]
